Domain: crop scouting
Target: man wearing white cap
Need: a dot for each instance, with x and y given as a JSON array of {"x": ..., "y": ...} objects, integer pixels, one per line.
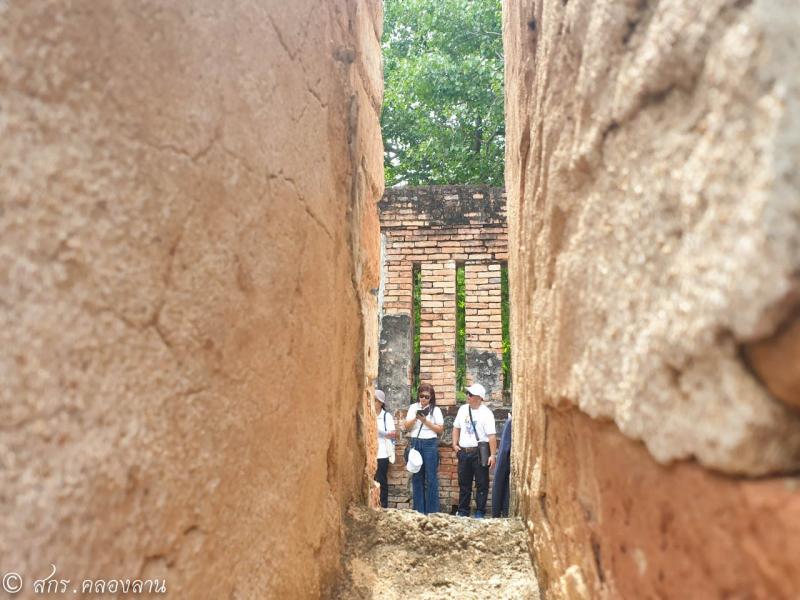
[{"x": 475, "y": 444}]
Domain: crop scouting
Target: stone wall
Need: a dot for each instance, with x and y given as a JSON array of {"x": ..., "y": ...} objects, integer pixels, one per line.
[
  {"x": 184, "y": 302},
  {"x": 653, "y": 182},
  {"x": 436, "y": 228}
]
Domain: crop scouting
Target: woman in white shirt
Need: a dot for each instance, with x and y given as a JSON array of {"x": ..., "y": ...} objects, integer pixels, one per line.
[
  {"x": 424, "y": 422},
  {"x": 386, "y": 436}
]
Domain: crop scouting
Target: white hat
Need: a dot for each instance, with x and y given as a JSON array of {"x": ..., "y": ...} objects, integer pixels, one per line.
[
  {"x": 476, "y": 389},
  {"x": 414, "y": 463},
  {"x": 380, "y": 397}
]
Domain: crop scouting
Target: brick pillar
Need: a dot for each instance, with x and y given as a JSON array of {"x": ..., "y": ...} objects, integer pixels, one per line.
[
  {"x": 397, "y": 289},
  {"x": 438, "y": 329},
  {"x": 484, "y": 331},
  {"x": 396, "y": 339}
]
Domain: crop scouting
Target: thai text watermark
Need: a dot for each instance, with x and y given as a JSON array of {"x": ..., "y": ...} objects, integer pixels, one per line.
[{"x": 14, "y": 583}]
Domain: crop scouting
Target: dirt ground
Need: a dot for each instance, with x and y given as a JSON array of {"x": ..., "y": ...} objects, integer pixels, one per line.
[{"x": 394, "y": 554}]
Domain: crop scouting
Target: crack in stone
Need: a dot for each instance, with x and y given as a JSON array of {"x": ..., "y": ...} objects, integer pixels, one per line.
[
  {"x": 281, "y": 41},
  {"x": 304, "y": 19},
  {"x": 316, "y": 96},
  {"x": 314, "y": 217},
  {"x": 193, "y": 157}
]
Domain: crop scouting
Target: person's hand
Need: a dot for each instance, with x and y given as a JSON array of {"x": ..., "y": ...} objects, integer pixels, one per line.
[
  {"x": 492, "y": 461},
  {"x": 391, "y": 435},
  {"x": 456, "y": 448}
]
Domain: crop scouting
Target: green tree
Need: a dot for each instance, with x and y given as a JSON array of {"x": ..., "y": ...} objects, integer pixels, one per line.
[
  {"x": 461, "y": 333},
  {"x": 443, "y": 104}
]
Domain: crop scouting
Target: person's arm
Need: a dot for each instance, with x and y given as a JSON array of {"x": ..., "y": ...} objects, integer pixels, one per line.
[
  {"x": 411, "y": 417},
  {"x": 390, "y": 432},
  {"x": 456, "y": 436},
  {"x": 492, "y": 450}
]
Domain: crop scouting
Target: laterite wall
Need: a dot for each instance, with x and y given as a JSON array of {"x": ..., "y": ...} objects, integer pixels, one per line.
[
  {"x": 187, "y": 333},
  {"x": 654, "y": 251}
]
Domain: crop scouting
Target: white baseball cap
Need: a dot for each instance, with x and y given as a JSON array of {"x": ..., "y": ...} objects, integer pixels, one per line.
[
  {"x": 380, "y": 397},
  {"x": 476, "y": 389},
  {"x": 414, "y": 463}
]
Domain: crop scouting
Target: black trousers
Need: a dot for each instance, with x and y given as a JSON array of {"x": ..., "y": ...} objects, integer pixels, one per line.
[
  {"x": 382, "y": 477},
  {"x": 500, "y": 489},
  {"x": 469, "y": 469}
]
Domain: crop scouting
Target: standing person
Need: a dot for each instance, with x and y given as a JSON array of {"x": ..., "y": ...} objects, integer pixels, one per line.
[
  {"x": 502, "y": 473},
  {"x": 386, "y": 436},
  {"x": 425, "y": 422},
  {"x": 474, "y": 424}
]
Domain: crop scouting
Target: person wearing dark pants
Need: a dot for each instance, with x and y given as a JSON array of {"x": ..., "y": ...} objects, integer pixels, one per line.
[
  {"x": 469, "y": 469},
  {"x": 474, "y": 427},
  {"x": 386, "y": 437},
  {"x": 382, "y": 477},
  {"x": 502, "y": 474}
]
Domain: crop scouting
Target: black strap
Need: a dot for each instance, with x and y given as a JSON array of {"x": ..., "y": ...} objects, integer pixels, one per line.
[
  {"x": 474, "y": 429},
  {"x": 385, "y": 431},
  {"x": 418, "y": 432}
]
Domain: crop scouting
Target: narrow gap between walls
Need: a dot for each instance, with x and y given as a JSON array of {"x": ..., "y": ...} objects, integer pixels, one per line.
[
  {"x": 505, "y": 311},
  {"x": 416, "y": 310},
  {"x": 461, "y": 328}
]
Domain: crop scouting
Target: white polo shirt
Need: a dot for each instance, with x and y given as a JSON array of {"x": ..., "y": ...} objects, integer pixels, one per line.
[
  {"x": 385, "y": 425},
  {"x": 484, "y": 421},
  {"x": 436, "y": 418}
]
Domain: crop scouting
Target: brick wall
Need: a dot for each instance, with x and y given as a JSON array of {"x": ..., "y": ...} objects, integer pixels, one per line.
[
  {"x": 435, "y": 229},
  {"x": 484, "y": 326},
  {"x": 437, "y": 335}
]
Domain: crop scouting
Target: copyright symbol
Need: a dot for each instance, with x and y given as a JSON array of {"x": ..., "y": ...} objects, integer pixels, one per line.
[{"x": 12, "y": 582}]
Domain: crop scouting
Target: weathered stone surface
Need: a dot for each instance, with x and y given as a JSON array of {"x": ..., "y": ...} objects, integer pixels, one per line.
[
  {"x": 606, "y": 522},
  {"x": 487, "y": 368},
  {"x": 188, "y": 237},
  {"x": 394, "y": 364},
  {"x": 654, "y": 236},
  {"x": 776, "y": 361},
  {"x": 655, "y": 224}
]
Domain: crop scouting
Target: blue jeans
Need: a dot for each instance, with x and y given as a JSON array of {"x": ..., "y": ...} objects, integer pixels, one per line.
[{"x": 425, "y": 483}]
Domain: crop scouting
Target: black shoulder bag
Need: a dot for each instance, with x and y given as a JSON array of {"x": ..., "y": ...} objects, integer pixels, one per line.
[{"x": 483, "y": 447}]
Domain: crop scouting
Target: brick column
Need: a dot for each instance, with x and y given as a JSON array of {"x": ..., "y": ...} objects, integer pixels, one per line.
[
  {"x": 396, "y": 339},
  {"x": 438, "y": 329},
  {"x": 484, "y": 331},
  {"x": 397, "y": 289}
]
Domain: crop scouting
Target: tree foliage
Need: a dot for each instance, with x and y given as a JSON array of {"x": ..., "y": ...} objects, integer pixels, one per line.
[
  {"x": 443, "y": 103},
  {"x": 461, "y": 333}
]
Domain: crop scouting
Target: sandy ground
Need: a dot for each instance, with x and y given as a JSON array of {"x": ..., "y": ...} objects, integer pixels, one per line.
[{"x": 403, "y": 554}]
